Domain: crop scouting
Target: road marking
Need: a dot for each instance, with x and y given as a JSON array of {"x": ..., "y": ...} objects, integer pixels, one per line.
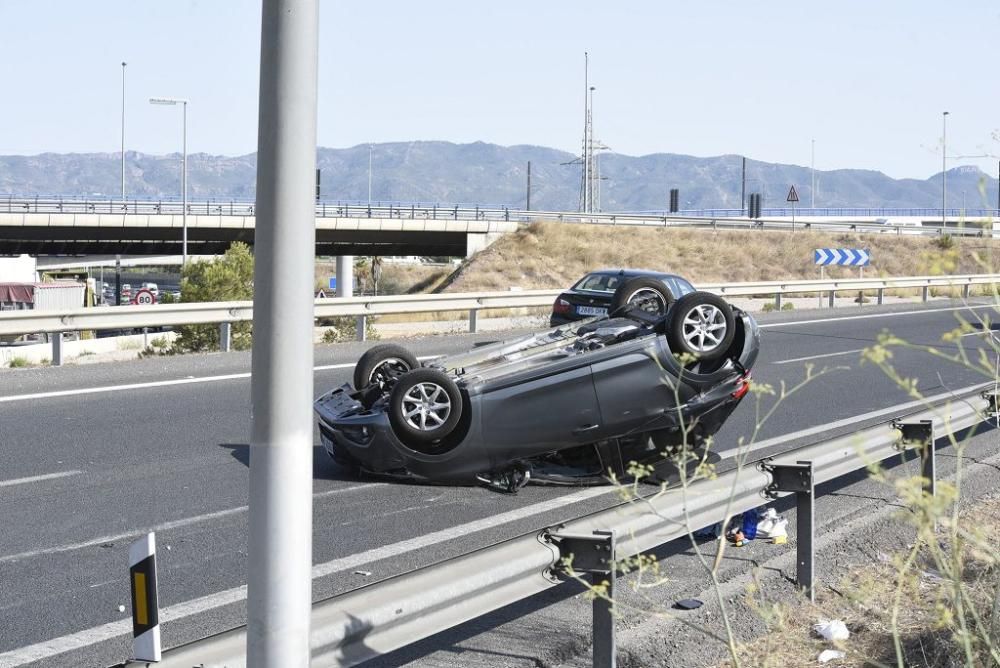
[
  {"x": 38, "y": 478},
  {"x": 816, "y": 357},
  {"x": 50, "y": 648},
  {"x": 166, "y": 526},
  {"x": 875, "y": 315},
  {"x": 190, "y": 380}
]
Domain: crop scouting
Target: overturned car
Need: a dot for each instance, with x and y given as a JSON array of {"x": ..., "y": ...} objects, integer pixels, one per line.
[{"x": 566, "y": 405}]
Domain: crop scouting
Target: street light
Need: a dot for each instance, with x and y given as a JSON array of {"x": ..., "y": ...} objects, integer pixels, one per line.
[
  {"x": 371, "y": 148},
  {"x": 123, "y": 131},
  {"x": 171, "y": 101},
  {"x": 944, "y": 167}
]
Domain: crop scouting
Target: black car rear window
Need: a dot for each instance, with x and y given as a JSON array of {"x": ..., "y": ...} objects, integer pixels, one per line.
[
  {"x": 610, "y": 282},
  {"x": 599, "y": 283}
]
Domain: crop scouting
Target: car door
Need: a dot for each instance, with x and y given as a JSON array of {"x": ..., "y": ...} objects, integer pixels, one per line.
[{"x": 540, "y": 410}]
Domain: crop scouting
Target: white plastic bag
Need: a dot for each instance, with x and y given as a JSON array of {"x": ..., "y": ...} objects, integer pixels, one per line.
[
  {"x": 832, "y": 629},
  {"x": 830, "y": 655}
]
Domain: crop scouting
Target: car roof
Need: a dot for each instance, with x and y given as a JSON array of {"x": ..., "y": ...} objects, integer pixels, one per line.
[{"x": 634, "y": 273}]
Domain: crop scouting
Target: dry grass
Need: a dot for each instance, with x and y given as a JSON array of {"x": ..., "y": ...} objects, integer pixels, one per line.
[
  {"x": 553, "y": 255},
  {"x": 396, "y": 279},
  {"x": 864, "y": 601}
]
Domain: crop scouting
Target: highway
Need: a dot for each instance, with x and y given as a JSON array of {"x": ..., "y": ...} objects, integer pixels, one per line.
[{"x": 93, "y": 456}]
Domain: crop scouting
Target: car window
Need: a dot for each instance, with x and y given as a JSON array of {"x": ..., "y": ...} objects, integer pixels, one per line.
[
  {"x": 678, "y": 286},
  {"x": 599, "y": 283}
]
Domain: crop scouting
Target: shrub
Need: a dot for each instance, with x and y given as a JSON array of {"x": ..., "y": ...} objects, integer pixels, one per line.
[
  {"x": 19, "y": 363},
  {"x": 344, "y": 328},
  {"x": 228, "y": 278},
  {"x": 943, "y": 242}
]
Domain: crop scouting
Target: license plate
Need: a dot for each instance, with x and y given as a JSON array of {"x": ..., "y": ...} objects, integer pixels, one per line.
[{"x": 591, "y": 310}]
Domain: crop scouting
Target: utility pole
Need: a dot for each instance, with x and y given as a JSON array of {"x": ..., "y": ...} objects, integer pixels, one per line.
[
  {"x": 944, "y": 168},
  {"x": 528, "y": 198},
  {"x": 279, "y": 583},
  {"x": 743, "y": 188},
  {"x": 585, "y": 194},
  {"x": 123, "y": 130}
]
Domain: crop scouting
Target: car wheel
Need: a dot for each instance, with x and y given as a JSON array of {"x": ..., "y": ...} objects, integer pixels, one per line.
[
  {"x": 702, "y": 325},
  {"x": 647, "y": 294},
  {"x": 424, "y": 406},
  {"x": 382, "y": 365}
]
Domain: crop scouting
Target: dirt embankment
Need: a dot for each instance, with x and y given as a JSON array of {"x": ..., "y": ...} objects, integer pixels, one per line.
[{"x": 553, "y": 255}]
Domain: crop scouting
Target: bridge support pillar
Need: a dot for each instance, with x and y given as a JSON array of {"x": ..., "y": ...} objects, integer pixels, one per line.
[
  {"x": 345, "y": 276},
  {"x": 57, "y": 348}
]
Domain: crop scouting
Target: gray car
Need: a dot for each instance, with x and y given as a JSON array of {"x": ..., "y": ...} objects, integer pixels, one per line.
[{"x": 568, "y": 404}]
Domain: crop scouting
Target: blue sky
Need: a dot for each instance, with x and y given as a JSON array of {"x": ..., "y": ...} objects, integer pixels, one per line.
[{"x": 867, "y": 80}]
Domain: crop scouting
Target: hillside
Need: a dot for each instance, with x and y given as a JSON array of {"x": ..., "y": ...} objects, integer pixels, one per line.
[
  {"x": 554, "y": 255},
  {"x": 488, "y": 174}
]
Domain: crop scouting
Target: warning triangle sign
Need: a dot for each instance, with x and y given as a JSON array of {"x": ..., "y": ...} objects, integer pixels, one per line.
[{"x": 792, "y": 195}]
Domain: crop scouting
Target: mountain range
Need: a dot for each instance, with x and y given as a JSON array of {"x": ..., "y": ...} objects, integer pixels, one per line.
[{"x": 480, "y": 173}]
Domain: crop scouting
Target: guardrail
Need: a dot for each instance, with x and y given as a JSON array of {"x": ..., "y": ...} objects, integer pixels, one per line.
[
  {"x": 58, "y": 323},
  {"x": 715, "y": 219},
  {"x": 382, "y": 617}
]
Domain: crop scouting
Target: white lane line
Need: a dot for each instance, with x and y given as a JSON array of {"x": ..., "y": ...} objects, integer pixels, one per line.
[
  {"x": 816, "y": 357},
  {"x": 166, "y": 526},
  {"x": 161, "y": 383},
  {"x": 50, "y": 648},
  {"x": 897, "y": 410},
  {"x": 876, "y": 315},
  {"x": 38, "y": 478}
]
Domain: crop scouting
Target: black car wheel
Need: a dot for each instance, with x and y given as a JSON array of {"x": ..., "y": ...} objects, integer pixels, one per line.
[
  {"x": 648, "y": 294},
  {"x": 702, "y": 325},
  {"x": 382, "y": 365},
  {"x": 424, "y": 406}
]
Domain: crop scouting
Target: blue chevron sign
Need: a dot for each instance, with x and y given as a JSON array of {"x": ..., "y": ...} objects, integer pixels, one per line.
[{"x": 847, "y": 257}]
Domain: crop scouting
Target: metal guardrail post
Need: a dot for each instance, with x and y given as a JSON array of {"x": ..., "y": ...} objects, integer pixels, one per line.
[
  {"x": 595, "y": 554},
  {"x": 920, "y": 435},
  {"x": 926, "y": 292},
  {"x": 777, "y": 301},
  {"x": 798, "y": 479},
  {"x": 361, "y": 328},
  {"x": 833, "y": 294},
  {"x": 966, "y": 290},
  {"x": 473, "y": 320},
  {"x": 57, "y": 348},
  {"x": 225, "y": 337},
  {"x": 881, "y": 296}
]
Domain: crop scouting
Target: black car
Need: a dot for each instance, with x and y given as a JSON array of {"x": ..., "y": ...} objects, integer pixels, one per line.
[
  {"x": 565, "y": 405},
  {"x": 592, "y": 294}
]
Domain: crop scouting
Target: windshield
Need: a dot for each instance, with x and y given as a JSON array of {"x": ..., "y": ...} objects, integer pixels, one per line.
[{"x": 610, "y": 282}]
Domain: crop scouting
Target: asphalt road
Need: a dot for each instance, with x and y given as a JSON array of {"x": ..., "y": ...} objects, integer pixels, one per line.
[{"x": 93, "y": 456}]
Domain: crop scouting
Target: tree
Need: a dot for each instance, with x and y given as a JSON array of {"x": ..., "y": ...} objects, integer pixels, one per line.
[{"x": 228, "y": 278}]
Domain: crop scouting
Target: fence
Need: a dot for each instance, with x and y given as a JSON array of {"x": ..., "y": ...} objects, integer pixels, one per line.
[{"x": 225, "y": 313}]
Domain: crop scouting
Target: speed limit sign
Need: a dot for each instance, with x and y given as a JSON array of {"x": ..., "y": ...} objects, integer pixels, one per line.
[{"x": 145, "y": 297}]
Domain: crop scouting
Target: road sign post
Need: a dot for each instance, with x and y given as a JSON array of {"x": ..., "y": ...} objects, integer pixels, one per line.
[
  {"x": 846, "y": 257},
  {"x": 279, "y": 583},
  {"x": 793, "y": 197}
]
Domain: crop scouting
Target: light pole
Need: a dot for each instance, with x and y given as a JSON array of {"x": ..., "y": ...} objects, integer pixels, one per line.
[
  {"x": 944, "y": 167},
  {"x": 371, "y": 149},
  {"x": 123, "y": 130},
  {"x": 172, "y": 101}
]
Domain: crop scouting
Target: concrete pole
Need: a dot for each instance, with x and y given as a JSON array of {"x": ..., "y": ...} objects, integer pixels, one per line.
[
  {"x": 124, "y": 64},
  {"x": 280, "y": 545},
  {"x": 184, "y": 190},
  {"x": 345, "y": 276}
]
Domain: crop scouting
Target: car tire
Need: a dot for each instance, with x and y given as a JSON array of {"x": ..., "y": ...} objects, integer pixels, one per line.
[
  {"x": 701, "y": 325},
  {"x": 382, "y": 364},
  {"x": 650, "y": 294},
  {"x": 424, "y": 406}
]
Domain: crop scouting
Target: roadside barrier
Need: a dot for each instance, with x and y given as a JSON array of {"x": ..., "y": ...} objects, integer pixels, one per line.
[{"x": 56, "y": 323}]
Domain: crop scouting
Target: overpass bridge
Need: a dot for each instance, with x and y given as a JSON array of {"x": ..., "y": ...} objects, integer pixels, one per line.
[{"x": 61, "y": 226}]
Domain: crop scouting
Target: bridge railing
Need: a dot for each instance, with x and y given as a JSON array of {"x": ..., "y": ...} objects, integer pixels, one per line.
[{"x": 58, "y": 323}]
